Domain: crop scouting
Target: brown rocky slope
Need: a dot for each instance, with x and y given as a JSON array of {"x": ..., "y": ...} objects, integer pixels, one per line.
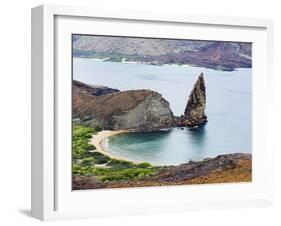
[
  {"x": 137, "y": 110},
  {"x": 221, "y": 169}
]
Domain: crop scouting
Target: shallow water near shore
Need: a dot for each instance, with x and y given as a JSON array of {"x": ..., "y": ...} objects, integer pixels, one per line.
[
  {"x": 172, "y": 147},
  {"x": 228, "y": 109}
]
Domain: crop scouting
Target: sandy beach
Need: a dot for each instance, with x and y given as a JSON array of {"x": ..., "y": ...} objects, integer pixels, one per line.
[{"x": 98, "y": 139}]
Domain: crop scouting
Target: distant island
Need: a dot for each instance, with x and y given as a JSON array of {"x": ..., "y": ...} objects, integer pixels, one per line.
[{"x": 225, "y": 56}]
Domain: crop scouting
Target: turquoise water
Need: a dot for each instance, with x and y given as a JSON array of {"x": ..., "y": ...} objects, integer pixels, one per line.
[{"x": 228, "y": 109}]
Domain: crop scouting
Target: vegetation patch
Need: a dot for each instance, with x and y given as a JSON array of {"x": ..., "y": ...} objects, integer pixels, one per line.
[
  {"x": 126, "y": 174},
  {"x": 80, "y": 141},
  {"x": 99, "y": 158},
  {"x": 89, "y": 162},
  {"x": 120, "y": 164}
]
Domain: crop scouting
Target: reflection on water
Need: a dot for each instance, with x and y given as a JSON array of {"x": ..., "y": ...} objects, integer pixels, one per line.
[
  {"x": 139, "y": 146},
  {"x": 198, "y": 137},
  {"x": 163, "y": 147}
]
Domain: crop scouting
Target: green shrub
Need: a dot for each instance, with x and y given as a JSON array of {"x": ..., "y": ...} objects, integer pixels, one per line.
[
  {"x": 120, "y": 164},
  {"x": 98, "y": 128},
  {"x": 112, "y": 173},
  {"x": 99, "y": 158},
  {"x": 82, "y": 132},
  {"x": 81, "y": 139},
  {"x": 87, "y": 162},
  {"x": 126, "y": 174},
  {"x": 81, "y": 170},
  {"x": 144, "y": 165},
  {"x": 100, "y": 171},
  {"x": 90, "y": 147}
]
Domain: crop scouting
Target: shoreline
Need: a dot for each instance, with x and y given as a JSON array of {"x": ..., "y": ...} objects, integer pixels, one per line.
[
  {"x": 98, "y": 141},
  {"x": 139, "y": 62},
  {"x": 99, "y": 138},
  {"x": 160, "y": 64}
]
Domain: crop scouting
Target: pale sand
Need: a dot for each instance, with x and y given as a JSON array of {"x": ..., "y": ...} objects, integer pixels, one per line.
[{"x": 99, "y": 138}]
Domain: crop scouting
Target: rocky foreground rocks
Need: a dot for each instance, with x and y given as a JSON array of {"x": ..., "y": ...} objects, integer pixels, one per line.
[{"x": 135, "y": 110}]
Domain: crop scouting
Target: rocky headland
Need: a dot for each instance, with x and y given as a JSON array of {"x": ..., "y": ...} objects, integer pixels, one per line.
[{"x": 135, "y": 110}]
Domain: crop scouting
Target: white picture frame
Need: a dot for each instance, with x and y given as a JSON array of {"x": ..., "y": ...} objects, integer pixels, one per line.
[{"x": 52, "y": 197}]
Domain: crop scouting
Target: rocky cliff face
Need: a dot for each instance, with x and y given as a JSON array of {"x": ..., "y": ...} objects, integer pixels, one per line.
[
  {"x": 194, "y": 113},
  {"x": 138, "y": 110},
  {"x": 195, "y": 108}
]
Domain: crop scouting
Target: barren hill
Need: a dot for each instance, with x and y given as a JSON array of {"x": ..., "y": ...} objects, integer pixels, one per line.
[{"x": 210, "y": 54}]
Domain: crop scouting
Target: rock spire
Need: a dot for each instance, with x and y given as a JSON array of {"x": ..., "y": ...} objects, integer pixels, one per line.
[{"x": 194, "y": 113}]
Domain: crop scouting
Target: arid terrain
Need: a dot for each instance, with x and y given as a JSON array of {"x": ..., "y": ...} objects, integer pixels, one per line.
[
  {"x": 222, "y": 169},
  {"x": 226, "y": 56}
]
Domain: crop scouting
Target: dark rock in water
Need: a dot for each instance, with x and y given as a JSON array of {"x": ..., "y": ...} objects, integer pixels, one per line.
[
  {"x": 137, "y": 110},
  {"x": 195, "y": 108},
  {"x": 194, "y": 113},
  {"x": 194, "y": 127}
]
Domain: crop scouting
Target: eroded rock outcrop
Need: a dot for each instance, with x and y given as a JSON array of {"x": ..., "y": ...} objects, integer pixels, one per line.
[
  {"x": 194, "y": 114},
  {"x": 137, "y": 110}
]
